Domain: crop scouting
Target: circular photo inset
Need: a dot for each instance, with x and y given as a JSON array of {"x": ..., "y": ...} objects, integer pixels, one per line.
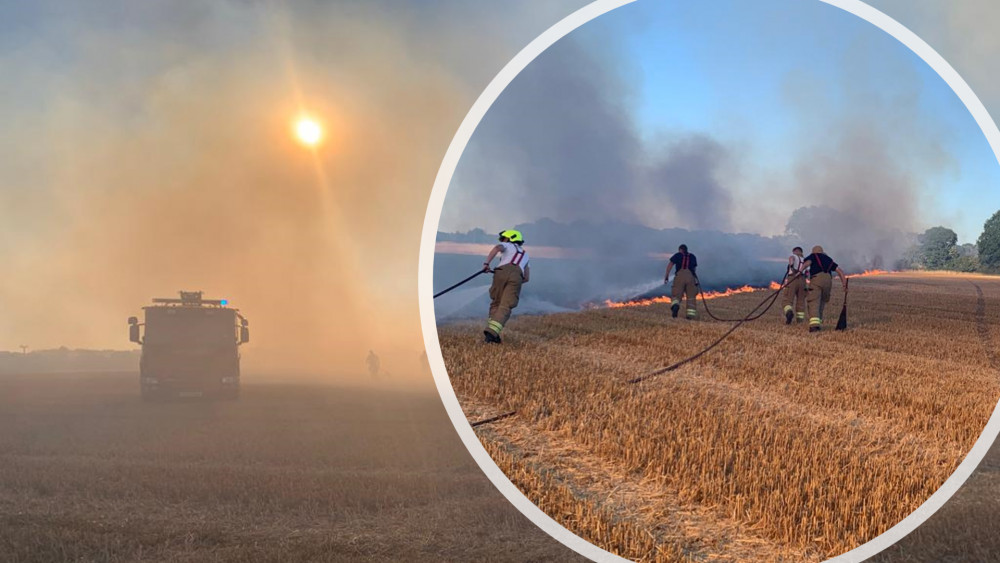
[{"x": 711, "y": 282}]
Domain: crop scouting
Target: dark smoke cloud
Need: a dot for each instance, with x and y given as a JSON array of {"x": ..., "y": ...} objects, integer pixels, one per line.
[
  {"x": 685, "y": 179},
  {"x": 561, "y": 142},
  {"x": 557, "y": 142},
  {"x": 863, "y": 165}
]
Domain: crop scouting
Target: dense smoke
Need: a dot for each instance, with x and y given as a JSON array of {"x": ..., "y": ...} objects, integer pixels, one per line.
[
  {"x": 562, "y": 142},
  {"x": 863, "y": 169},
  {"x": 573, "y": 277},
  {"x": 147, "y": 150}
]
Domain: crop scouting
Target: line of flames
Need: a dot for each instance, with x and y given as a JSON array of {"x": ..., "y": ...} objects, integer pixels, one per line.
[{"x": 774, "y": 286}]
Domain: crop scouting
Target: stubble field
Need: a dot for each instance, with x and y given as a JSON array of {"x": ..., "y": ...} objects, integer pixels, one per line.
[
  {"x": 779, "y": 445},
  {"x": 290, "y": 472}
]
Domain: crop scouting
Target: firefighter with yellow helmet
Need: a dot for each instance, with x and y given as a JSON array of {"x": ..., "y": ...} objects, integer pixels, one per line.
[
  {"x": 818, "y": 268},
  {"x": 511, "y": 272}
]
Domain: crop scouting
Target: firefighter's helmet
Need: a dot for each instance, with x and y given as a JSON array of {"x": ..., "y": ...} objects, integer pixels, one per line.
[{"x": 512, "y": 236}]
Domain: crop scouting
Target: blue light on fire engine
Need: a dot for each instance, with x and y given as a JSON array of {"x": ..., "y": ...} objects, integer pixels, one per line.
[{"x": 224, "y": 302}]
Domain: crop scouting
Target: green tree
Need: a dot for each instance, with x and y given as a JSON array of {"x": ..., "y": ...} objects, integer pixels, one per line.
[
  {"x": 989, "y": 243},
  {"x": 937, "y": 245},
  {"x": 965, "y": 264}
]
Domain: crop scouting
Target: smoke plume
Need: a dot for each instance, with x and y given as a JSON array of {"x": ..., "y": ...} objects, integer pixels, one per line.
[{"x": 563, "y": 142}]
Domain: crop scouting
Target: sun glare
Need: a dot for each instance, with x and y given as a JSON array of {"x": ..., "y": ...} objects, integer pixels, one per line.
[{"x": 308, "y": 131}]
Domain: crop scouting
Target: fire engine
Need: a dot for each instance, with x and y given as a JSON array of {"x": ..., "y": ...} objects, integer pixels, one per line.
[{"x": 190, "y": 347}]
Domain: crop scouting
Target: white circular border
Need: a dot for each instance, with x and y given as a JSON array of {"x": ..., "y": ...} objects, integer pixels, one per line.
[{"x": 426, "y": 275}]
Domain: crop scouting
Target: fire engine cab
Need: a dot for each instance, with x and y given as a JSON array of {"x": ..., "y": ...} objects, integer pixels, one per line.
[{"x": 190, "y": 347}]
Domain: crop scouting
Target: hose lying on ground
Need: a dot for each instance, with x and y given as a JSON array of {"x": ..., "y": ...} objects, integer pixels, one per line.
[
  {"x": 493, "y": 418},
  {"x": 750, "y": 316},
  {"x": 704, "y": 302}
]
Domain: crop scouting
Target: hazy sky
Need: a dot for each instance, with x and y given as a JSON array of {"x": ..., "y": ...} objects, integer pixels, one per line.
[
  {"x": 727, "y": 115},
  {"x": 146, "y": 148}
]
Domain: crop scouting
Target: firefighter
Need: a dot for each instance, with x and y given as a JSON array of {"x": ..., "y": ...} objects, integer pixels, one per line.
[
  {"x": 511, "y": 272},
  {"x": 819, "y": 283},
  {"x": 795, "y": 289},
  {"x": 685, "y": 281},
  {"x": 373, "y": 363}
]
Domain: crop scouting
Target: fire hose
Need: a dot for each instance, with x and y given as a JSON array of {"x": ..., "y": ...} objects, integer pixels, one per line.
[
  {"x": 752, "y": 315},
  {"x": 466, "y": 280}
]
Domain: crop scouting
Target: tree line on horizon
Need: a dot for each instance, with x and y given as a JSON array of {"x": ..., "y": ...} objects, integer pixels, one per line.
[{"x": 938, "y": 249}]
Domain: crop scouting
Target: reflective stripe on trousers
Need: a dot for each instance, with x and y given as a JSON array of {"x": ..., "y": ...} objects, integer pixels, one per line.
[{"x": 505, "y": 292}]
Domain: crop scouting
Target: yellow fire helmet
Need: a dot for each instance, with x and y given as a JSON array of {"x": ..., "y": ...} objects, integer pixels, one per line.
[{"x": 512, "y": 236}]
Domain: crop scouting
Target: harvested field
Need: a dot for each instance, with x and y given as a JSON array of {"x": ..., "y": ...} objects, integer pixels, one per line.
[
  {"x": 290, "y": 472},
  {"x": 779, "y": 445}
]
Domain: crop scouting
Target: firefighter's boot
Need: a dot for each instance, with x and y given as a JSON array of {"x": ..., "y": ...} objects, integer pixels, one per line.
[
  {"x": 789, "y": 314},
  {"x": 674, "y": 309}
]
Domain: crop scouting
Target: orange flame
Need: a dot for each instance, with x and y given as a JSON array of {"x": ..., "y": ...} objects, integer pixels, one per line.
[
  {"x": 773, "y": 286},
  {"x": 868, "y": 273},
  {"x": 708, "y": 295}
]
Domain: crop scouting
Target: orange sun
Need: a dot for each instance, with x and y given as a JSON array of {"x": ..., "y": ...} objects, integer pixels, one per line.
[{"x": 308, "y": 131}]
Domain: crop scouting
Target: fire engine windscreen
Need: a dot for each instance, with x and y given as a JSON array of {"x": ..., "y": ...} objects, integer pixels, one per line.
[{"x": 188, "y": 326}]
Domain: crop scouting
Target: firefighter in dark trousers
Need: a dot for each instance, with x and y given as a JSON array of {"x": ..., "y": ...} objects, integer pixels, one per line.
[
  {"x": 793, "y": 297},
  {"x": 819, "y": 284},
  {"x": 685, "y": 281},
  {"x": 510, "y": 273}
]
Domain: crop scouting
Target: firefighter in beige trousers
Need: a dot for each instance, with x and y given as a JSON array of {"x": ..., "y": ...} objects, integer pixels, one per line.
[
  {"x": 819, "y": 284},
  {"x": 685, "y": 281},
  {"x": 511, "y": 272},
  {"x": 793, "y": 297}
]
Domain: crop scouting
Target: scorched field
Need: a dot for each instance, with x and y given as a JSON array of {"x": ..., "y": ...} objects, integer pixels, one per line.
[{"x": 778, "y": 445}]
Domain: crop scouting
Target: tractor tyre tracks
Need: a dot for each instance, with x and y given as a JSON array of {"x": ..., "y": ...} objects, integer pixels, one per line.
[{"x": 983, "y": 329}]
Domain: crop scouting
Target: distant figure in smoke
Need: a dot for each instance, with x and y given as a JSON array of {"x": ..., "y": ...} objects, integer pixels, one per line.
[
  {"x": 819, "y": 284},
  {"x": 511, "y": 272},
  {"x": 685, "y": 281},
  {"x": 373, "y": 363},
  {"x": 795, "y": 292}
]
